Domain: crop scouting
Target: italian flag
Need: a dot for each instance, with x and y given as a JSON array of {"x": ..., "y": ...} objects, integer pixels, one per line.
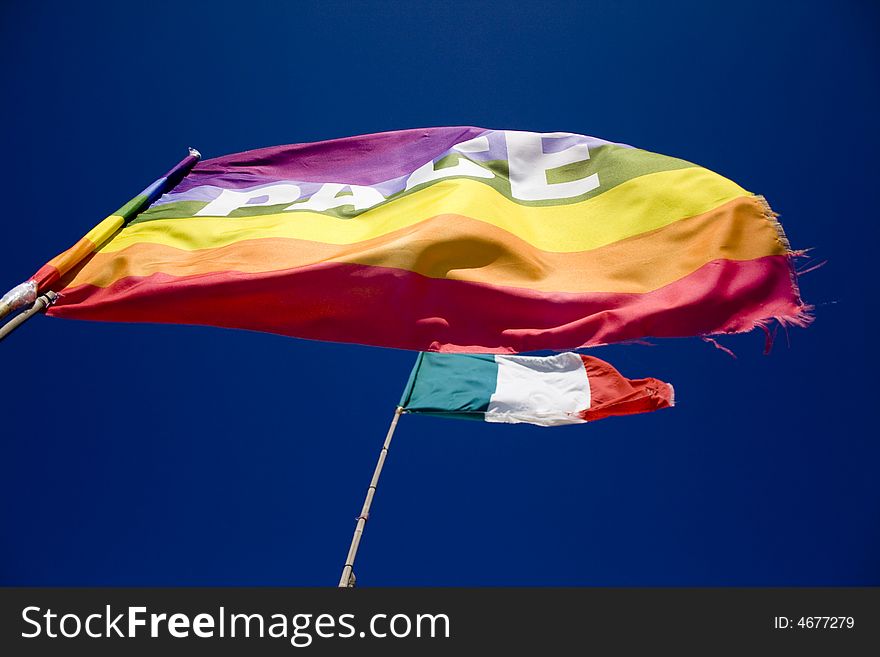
[{"x": 566, "y": 388}]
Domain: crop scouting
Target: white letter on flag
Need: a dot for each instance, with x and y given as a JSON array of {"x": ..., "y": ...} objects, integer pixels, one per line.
[
  {"x": 232, "y": 199},
  {"x": 529, "y": 165}
]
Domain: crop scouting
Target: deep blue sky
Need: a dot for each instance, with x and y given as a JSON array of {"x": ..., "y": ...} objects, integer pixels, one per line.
[{"x": 173, "y": 455}]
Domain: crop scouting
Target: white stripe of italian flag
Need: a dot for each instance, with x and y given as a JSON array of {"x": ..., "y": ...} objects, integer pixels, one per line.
[{"x": 566, "y": 388}]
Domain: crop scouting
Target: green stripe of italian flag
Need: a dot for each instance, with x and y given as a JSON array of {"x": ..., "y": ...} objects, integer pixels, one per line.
[{"x": 566, "y": 388}]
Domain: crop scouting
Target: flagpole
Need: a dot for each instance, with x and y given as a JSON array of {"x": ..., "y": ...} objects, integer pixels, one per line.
[
  {"x": 347, "y": 580},
  {"x": 42, "y": 302}
]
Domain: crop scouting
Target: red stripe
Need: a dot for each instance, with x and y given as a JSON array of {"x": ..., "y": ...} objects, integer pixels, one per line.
[
  {"x": 46, "y": 276},
  {"x": 398, "y": 308},
  {"x": 613, "y": 394}
]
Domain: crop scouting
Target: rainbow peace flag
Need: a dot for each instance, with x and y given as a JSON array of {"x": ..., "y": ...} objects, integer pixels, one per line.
[{"x": 454, "y": 239}]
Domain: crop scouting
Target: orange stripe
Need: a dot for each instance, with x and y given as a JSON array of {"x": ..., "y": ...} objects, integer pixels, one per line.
[
  {"x": 74, "y": 254},
  {"x": 461, "y": 248}
]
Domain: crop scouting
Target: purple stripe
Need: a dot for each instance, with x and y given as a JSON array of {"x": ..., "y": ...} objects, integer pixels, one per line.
[
  {"x": 182, "y": 168},
  {"x": 383, "y": 160},
  {"x": 363, "y": 160}
]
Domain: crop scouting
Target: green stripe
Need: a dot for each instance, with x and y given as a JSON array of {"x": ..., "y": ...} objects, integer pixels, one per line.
[
  {"x": 451, "y": 385},
  {"x": 132, "y": 206},
  {"x": 614, "y": 164}
]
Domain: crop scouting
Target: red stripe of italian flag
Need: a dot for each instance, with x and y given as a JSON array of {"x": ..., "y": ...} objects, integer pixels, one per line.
[{"x": 566, "y": 388}]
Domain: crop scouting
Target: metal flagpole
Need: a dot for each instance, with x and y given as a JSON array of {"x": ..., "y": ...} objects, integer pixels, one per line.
[{"x": 347, "y": 580}]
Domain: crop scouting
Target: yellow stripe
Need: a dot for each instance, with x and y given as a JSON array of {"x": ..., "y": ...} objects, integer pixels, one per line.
[
  {"x": 65, "y": 261},
  {"x": 634, "y": 207},
  {"x": 473, "y": 251},
  {"x": 104, "y": 230}
]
